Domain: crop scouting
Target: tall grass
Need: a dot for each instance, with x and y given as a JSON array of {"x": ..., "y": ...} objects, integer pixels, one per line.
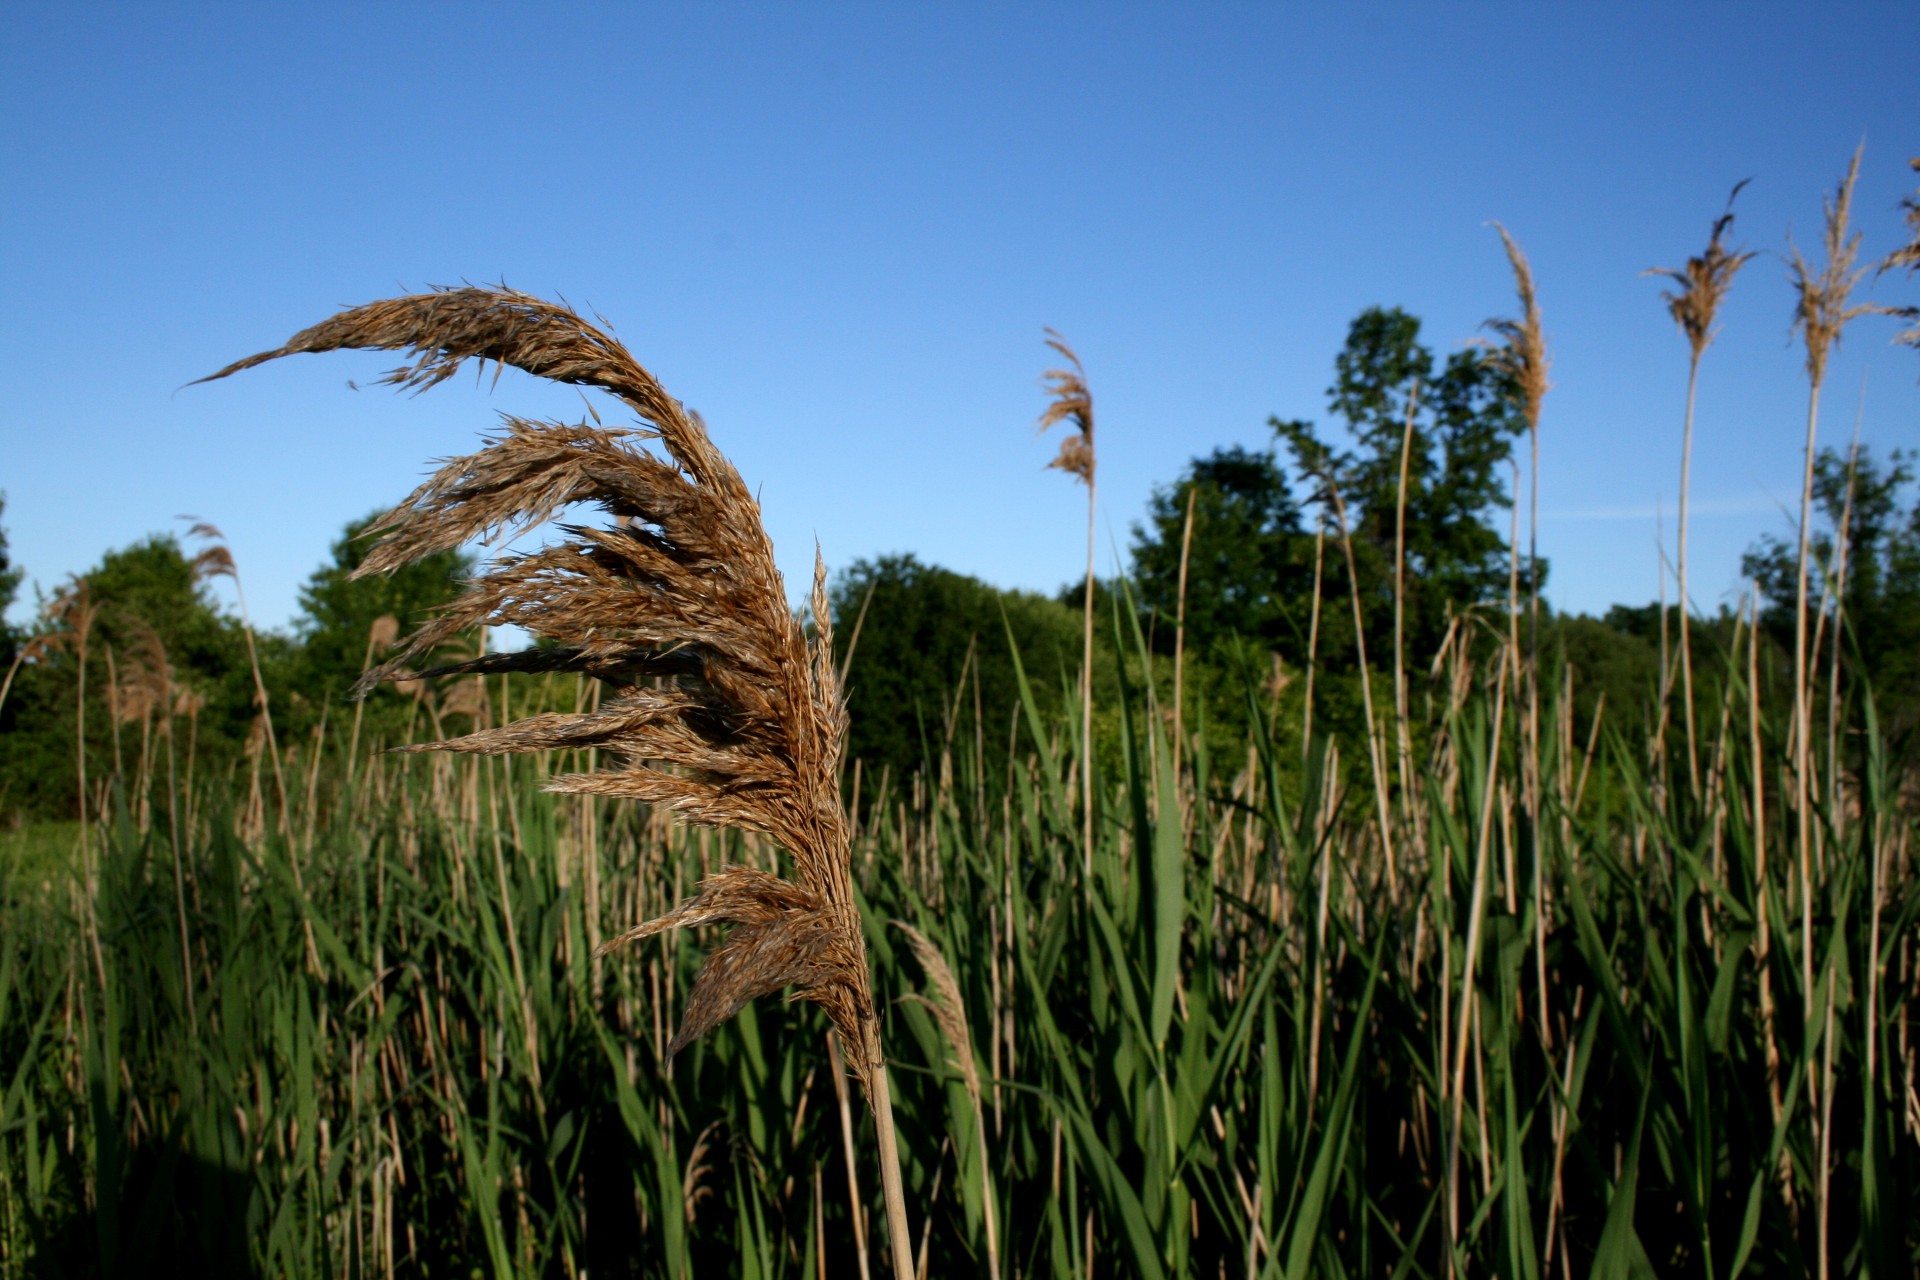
[{"x": 1221, "y": 1053}]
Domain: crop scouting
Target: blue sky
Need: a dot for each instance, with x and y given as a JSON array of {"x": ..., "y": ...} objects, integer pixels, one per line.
[{"x": 837, "y": 230}]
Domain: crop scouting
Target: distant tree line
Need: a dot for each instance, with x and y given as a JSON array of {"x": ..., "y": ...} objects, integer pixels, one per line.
[{"x": 138, "y": 648}]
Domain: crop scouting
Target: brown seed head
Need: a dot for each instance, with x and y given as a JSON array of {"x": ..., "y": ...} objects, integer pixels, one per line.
[
  {"x": 720, "y": 711},
  {"x": 1071, "y": 402},
  {"x": 1908, "y": 256},
  {"x": 947, "y": 1006},
  {"x": 1822, "y": 307},
  {"x": 1521, "y": 352},
  {"x": 1703, "y": 283}
]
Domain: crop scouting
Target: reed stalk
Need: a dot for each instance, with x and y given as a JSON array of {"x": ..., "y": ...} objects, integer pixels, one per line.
[{"x": 1694, "y": 303}]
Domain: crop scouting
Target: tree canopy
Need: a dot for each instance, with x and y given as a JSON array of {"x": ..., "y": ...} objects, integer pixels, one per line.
[{"x": 1252, "y": 568}]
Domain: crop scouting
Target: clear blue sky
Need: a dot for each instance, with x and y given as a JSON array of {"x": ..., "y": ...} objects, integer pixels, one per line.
[{"x": 837, "y": 230}]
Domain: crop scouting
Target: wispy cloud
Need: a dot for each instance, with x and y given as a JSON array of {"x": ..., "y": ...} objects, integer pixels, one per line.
[{"x": 1707, "y": 508}]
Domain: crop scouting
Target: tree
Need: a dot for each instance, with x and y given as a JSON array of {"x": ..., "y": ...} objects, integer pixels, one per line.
[
  {"x": 10, "y": 577},
  {"x": 926, "y": 641},
  {"x": 1881, "y": 568},
  {"x": 1464, "y": 422},
  {"x": 338, "y": 611},
  {"x": 1249, "y": 568},
  {"x": 1251, "y": 572},
  {"x": 150, "y": 610}
]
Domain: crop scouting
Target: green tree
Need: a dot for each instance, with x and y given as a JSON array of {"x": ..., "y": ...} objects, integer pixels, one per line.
[
  {"x": 1464, "y": 422},
  {"x": 1249, "y": 568},
  {"x": 151, "y": 609},
  {"x": 10, "y": 576},
  {"x": 1251, "y": 571},
  {"x": 338, "y": 611},
  {"x": 930, "y": 656},
  {"x": 1869, "y": 500}
]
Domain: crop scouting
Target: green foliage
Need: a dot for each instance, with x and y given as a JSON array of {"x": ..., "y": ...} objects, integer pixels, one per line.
[
  {"x": 1881, "y": 597},
  {"x": 1463, "y": 427},
  {"x": 1249, "y": 568},
  {"x": 1221, "y": 1047},
  {"x": 930, "y": 659},
  {"x": 338, "y": 612},
  {"x": 152, "y": 614},
  {"x": 10, "y": 576}
]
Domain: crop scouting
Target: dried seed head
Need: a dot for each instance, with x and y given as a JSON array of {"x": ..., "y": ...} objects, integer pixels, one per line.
[
  {"x": 1703, "y": 283},
  {"x": 1072, "y": 403},
  {"x": 949, "y": 1009},
  {"x": 1908, "y": 256},
  {"x": 721, "y": 710},
  {"x": 1521, "y": 352},
  {"x": 1822, "y": 307},
  {"x": 384, "y": 630}
]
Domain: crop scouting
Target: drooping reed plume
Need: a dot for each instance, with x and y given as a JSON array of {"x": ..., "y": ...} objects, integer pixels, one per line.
[
  {"x": 1700, "y": 287},
  {"x": 720, "y": 710},
  {"x": 1071, "y": 402},
  {"x": 949, "y": 1010}
]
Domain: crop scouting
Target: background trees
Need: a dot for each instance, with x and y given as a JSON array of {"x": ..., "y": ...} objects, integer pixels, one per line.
[
  {"x": 930, "y": 658},
  {"x": 338, "y": 615},
  {"x": 1867, "y": 546},
  {"x": 931, "y": 661},
  {"x": 1253, "y": 552}
]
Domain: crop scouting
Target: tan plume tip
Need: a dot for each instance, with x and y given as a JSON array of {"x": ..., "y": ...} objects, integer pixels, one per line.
[
  {"x": 1521, "y": 352},
  {"x": 1907, "y": 257},
  {"x": 1822, "y": 297},
  {"x": 383, "y": 631},
  {"x": 720, "y": 710},
  {"x": 949, "y": 1009},
  {"x": 1071, "y": 402},
  {"x": 784, "y": 936},
  {"x": 1703, "y": 283}
]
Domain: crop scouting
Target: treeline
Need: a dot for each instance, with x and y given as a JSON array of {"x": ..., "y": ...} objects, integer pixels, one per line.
[
  {"x": 1267, "y": 576},
  {"x": 139, "y": 658}
]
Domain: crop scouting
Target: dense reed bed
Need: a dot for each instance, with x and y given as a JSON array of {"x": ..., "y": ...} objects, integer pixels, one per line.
[{"x": 1638, "y": 1028}]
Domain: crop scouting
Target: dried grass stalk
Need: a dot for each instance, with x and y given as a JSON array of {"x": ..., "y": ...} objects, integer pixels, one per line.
[
  {"x": 1070, "y": 400},
  {"x": 1521, "y": 352},
  {"x": 1823, "y": 304},
  {"x": 1694, "y": 304},
  {"x": 721, "y": 709},
  {"x": 1702, "y": 285},
  {"x": 950, "y": 1012}
]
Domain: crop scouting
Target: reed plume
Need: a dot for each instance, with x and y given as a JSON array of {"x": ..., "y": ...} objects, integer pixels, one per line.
[
  {"x": 1907, "y": 257},
  {"x": 950, "y": 1013},
  {"x": 1823, "y": 307},
  {"x": 1071, "y": 401},
  {"x": 1694, "y": 303},
  {"x": 720, "y": 710},
  {"x": 1521, "y": 354}
]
